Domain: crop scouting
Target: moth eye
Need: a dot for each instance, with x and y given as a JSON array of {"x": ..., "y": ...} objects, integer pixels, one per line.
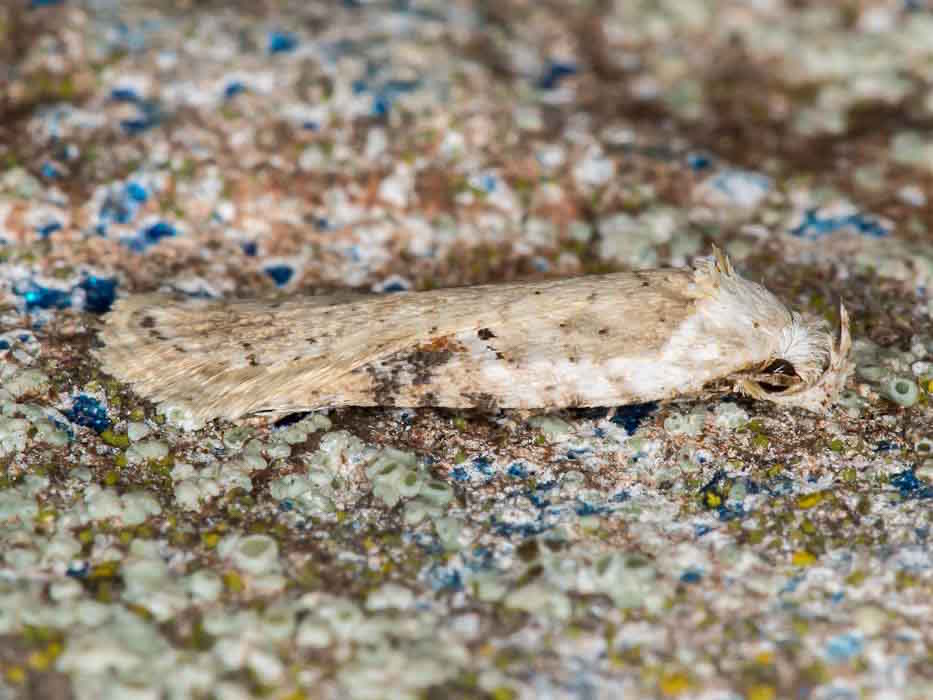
[
  {"x": 778, "y": 376},
  {"x": 781, "y": 367}
]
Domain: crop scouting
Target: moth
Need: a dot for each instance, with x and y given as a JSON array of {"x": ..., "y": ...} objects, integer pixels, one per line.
[{"x": 601, "y": 340}]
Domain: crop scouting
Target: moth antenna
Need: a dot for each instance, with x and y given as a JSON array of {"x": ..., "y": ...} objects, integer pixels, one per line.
[
  {"x": 839, "y": 355},
  {"x": 723, "y": 263}
]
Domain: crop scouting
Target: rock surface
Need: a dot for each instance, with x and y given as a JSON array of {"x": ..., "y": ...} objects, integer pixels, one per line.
[{"x": 728, "y": 550}]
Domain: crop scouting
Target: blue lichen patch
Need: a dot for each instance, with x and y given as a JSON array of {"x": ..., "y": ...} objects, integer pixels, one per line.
[
  {"x": 281, "y": 42},
  {"x": 37, "y": 296},
  {"x": 150, "y": 235},
  {"x": 280, "y": 274},
  {"x": 909, "y": 486},
  {"x": 88, "y": 412},
  {"x": 816, "y": 225},
  {"x": 98, "y": 294}
]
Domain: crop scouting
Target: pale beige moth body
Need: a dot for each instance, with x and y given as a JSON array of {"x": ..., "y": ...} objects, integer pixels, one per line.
[{"x": 587, "y": 341}]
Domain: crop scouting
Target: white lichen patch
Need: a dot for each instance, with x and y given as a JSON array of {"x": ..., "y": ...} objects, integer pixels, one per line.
[
  {"x": 299, "y": 432},
  {"x": 193, "y": 488},
  {"x": 734, "y": 193},
  {"x": 203, "y": 585},
  {"x": 252, "y": 554},
  {"x": 431, "y": 502},
  {"x": 19, "y": 502},
  {"x": 687, "y": 423},
  {"x": 551, "y": 427},
  {"x": 394, "y": 476},
  {"x": 146, "y": 451},
  {"x": 452, "y": 532},
  {"x": 26, "y": 382},
  {"x": 633, "y": 240},
  {"x": 181, "y": 416},
  {"x": 729, "y": 416},
  {"x": 390, "y": 596},
  {"x": 13, "y": 435},
  {"x": 150, "y": 584},
  {"x": 130, "y": 509},
  {"x": 137, "y": 430}
]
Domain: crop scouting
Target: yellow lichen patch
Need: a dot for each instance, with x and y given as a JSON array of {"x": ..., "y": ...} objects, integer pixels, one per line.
[
  {"x": 295, "y": 695},
  {"x": 803, "y": 558},
  {"x": 104, "y": 571},
  {"x": 856, "y": 578},
  {"x": 41, "y": 660},
  {"x": 674, "y": 684},
  {"x": 765, "y": 658},
  {"x": 233, "y": 582},
  {"x": 811, "y": 500},
  {"x": 503, "y": 693},
  {"x": 761, "y": 441},
  {"x": 15, "y": 675},
  {"x": 761, "y": 692},
  {"x": 115, "y": 439}
]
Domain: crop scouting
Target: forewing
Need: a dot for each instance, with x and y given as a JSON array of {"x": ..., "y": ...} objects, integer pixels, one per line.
[{"x": 525, "y": 344}]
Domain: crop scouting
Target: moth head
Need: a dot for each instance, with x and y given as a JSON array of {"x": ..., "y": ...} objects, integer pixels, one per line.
[{"x": 809, "y": 369}]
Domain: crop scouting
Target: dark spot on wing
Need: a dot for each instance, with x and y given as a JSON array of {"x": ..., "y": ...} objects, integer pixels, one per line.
[
  {"x": 385, "y": 384},
  {"x": 396, "y": 374},
  {"x": 482, "y": 400},
  {"x": 424, "y": 361},
  {"x": 485, "y": 334}
]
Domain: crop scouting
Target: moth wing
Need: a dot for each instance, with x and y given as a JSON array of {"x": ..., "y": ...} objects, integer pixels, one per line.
[
  {"x": 517, "y": 345},
  {"x": 217, "y": 357},
  {"x": 528, "y": 345}
]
